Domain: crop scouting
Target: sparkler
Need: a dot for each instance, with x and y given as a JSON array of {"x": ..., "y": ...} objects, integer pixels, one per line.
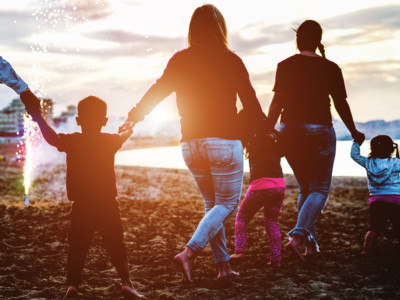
[{"x": 30, "y": 136}]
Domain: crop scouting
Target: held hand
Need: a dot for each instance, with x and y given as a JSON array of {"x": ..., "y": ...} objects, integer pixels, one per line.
[
  {"x": 127, "y": 126},
  {"x": 358, "y": 137},
  {"x": 31, "y": 102}
]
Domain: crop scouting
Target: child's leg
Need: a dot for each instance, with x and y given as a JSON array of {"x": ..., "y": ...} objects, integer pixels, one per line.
[
  {"x": 251, "y": 203},
  {"x": 79, "y": 238},
  {"x": 395, "y": 219},
  {"x": 110, "y": 228},
  {"x": 377, "y": 218},
  {"x": 272, "y": 207},
  {"x": 368, "y": 242}
]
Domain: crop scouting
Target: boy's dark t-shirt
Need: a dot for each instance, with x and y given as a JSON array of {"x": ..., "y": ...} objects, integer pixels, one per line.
[
  {"x": 90, "y": 166},
  {"x": 308, "y": 81}
]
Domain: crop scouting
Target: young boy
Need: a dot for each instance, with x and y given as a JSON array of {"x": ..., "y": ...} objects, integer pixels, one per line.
[{"x": 91, "y": 184}]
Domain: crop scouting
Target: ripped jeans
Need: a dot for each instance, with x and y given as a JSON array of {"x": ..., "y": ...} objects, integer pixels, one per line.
[
  {"x": 310, "y": 151},
  {"x": 217, "y": 166}
]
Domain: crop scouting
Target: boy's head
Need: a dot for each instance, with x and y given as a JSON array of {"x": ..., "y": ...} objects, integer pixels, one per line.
[
  {"x": 382, "y": 146},
  {"x": 92, "y": 112}
]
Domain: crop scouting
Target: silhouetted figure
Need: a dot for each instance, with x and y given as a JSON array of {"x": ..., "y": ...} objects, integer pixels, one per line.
[
  {"x": 267, "y": 186},
  {"x": 303, "y": 86},
  {"x": 383, "y": 173},
  {"x": 207, "y": 77},
  {"x": 91, "y": 185}
]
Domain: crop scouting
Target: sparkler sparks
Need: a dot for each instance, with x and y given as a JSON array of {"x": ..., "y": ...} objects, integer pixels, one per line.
[{"x": 31, "y": 134}]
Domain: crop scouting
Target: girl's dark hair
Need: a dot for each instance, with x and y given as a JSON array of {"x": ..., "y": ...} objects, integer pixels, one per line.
[
  {"x": 308, "y": 37},
  {"x": 251, "y": 125},
  {"x": 382, "y": 146}
]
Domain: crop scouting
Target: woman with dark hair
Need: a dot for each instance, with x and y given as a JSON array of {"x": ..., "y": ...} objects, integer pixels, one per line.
[
  {"x": 304, "y": 84},
  {"x": 207, "y": 77}
]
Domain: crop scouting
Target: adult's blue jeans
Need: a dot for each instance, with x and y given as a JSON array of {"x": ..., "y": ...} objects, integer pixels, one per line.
[
  {"x": 310, "y": 151},
  {"x": 217, "y": 166}
]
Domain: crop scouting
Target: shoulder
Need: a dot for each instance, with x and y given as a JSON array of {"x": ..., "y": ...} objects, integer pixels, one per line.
[{"x": 70, "y": 137}]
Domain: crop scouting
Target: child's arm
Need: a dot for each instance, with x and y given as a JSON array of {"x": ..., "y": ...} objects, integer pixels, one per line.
[
  {"x": 48, "y": 133},
  {"x": 356, "y": 156},
  {"x": 125, "y": 134}
]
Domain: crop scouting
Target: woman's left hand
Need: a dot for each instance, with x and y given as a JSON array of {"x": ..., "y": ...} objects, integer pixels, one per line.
[{"x": 126, "y": 126}]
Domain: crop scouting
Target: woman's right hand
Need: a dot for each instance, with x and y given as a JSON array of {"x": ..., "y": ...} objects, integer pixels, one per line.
[{"x": 358, "y": 137}]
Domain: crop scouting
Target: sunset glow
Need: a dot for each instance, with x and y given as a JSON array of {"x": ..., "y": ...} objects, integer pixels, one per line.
[{"x": 117, "y": 49}]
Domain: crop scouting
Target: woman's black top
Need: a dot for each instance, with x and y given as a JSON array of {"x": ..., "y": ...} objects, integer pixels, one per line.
[
  {"x": 306, "y": 82},
  {"x": 207, "y": 82}
]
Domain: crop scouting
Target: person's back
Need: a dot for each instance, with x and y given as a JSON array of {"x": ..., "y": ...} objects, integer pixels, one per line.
[
  {"x": 206, "y": 81},
  {"x": 91, "y": 185},
  {"x": 309, "y": 81}
]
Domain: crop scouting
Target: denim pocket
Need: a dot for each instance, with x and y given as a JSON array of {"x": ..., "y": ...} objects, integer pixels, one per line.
[{"x": 219, "y": 154}]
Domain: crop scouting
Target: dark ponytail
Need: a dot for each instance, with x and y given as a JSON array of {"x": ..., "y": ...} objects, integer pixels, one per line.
[{"x": 321, "y": 49}]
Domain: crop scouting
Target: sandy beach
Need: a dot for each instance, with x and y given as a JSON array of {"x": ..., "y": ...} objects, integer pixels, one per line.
[{"x": 160, "y": 210}]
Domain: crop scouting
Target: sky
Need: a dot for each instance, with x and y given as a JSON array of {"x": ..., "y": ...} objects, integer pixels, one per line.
[{"x": 116, "y": 49}]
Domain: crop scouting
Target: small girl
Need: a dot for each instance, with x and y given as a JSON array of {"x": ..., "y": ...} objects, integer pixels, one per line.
[
  {"x": 267, "y": 186},
  {"x": 384, "y": 186}
]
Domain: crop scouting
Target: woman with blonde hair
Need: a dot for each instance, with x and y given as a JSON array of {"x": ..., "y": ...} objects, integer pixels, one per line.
[{"x": 207, "y": 77}]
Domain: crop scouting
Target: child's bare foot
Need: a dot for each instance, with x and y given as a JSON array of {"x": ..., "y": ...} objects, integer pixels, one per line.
[
  {"x": 224, "y": 270},
  {"x": 129, "y": 292},
  {"x": 364, "y": 253},
  {"x": 72, "y": 293},
  {"x": 237, "y": 256},
  {"x": 185, "y": 261},
  {"x": 274, "y": 264},
  {"x": 294, "y": 246}
]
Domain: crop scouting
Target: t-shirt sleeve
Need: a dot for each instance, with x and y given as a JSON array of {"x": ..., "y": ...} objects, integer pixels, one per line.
[
  {"x": 337, "y": 86},
  {"x": 9, "y": 77}
]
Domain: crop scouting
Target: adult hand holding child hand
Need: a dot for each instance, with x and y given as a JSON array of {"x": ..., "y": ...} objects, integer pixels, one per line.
[{"x": 31, "y": 102}]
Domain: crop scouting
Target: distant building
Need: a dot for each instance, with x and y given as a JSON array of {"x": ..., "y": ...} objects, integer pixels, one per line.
[
  {"x": 47, "y": 110},
  {"x": 12, "y": 122},
  {"x": 70, "y": 112}
]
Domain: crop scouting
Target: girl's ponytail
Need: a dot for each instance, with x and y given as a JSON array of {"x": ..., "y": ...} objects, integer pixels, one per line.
[
  {"x": 321, "y": 49},
  {"x": 396, "y": 146}
]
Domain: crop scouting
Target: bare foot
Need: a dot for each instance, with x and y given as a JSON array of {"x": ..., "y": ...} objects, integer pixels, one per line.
[
  {"x": 294, "y": 246},
  {"x": 224, "y": 270},
  {"x": 364, "y": 253},
  {"x": 274, "y": 264},
  {"x": 310, "y": 250},
  {"x": 72, "y": 292},
  {"x": 129, "y": 292},
  {"x": 237, "y": 256},
  {"x": 185, "y": 261}
]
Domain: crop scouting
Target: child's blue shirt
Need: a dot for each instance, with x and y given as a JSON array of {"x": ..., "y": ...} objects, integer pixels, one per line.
[
  {"x": 383, "y": 173},
  {"x": 10, "y": 78}
]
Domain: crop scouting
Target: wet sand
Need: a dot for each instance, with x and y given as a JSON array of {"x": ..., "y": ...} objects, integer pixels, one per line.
[{"x": 160, "y": 210}]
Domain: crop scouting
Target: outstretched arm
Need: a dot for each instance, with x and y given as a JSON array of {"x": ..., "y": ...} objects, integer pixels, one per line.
[
  {"x": 275, "y": 108},
  {"x": 32, "y": 105},
  {"x": 48, "y": 133},
  {"x": 125, "y": 134},
  {"x": 343, "y": 109},
  {"x": 9, "y": 77}
]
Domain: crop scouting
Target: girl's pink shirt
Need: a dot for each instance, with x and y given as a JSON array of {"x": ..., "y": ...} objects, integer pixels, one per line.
[{"x": 266, "y": 183}]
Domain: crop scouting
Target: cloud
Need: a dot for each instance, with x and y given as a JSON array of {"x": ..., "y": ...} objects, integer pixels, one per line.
[
  {"x": 15, "y": 26},
  {"x": 374, "y": 24}
]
